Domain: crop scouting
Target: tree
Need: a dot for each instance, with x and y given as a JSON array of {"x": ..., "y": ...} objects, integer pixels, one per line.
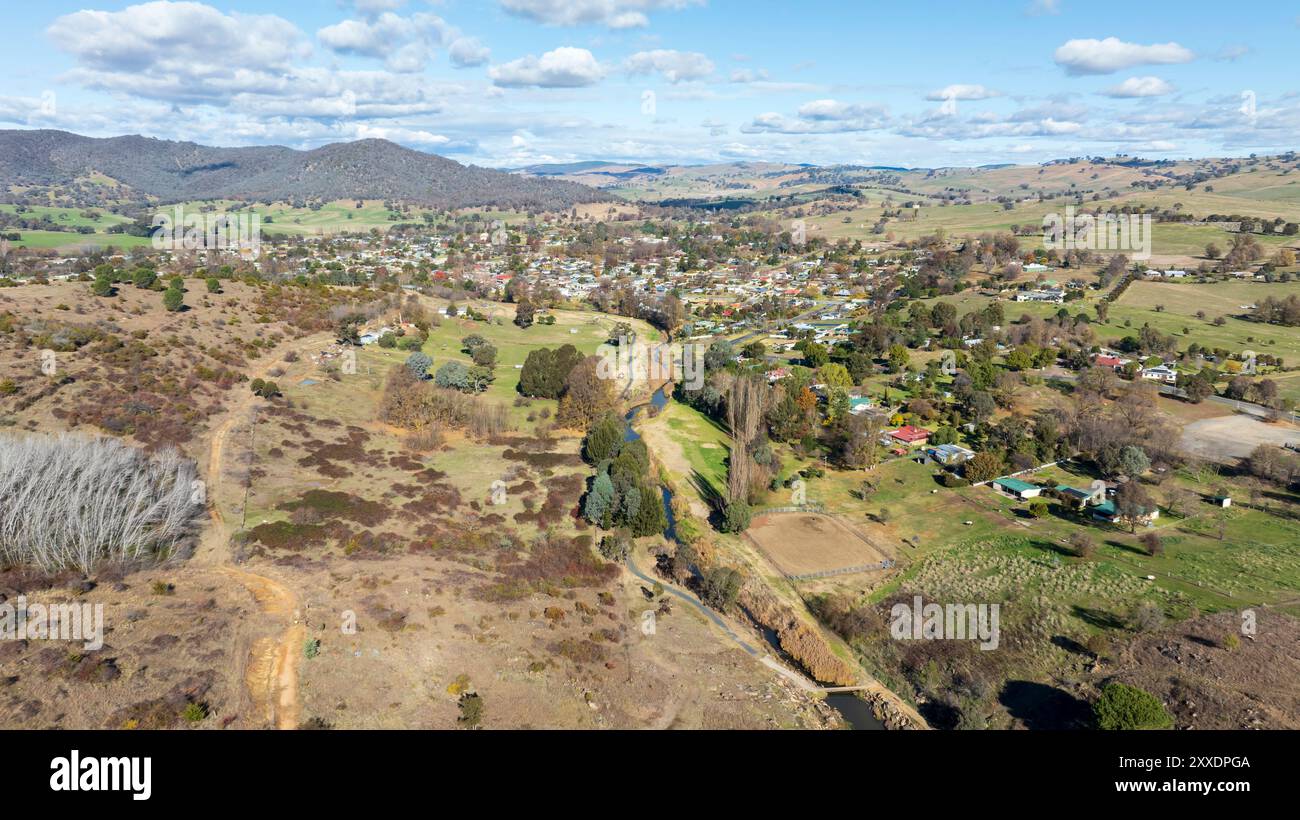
[
  {"x": 985, "y": 466},
  {"x": 721, "y": 587},
  {"x": 144, "y": 278},
  {"x": 600, "y": 501},
  {"x": 485, "y": 355},
  {"x": 525, "y": 313},
  {"x": 214, "y": 284},
  {"x": 898, "y": 358},
  {"x": 1123, "y": 707},
  {"x": 102, "y": 286},
  {"x": 616, "y": 547},
  {"x": 545, "y": 371},
  {"x": 737, "y": 516},
  {"x": 1132, "y": 502},
  {"x": 1133, "y": 461},
  {"x": 265, "y": 389},
  {"x": 1038, "y": 508},
  {"x": 173, "y": 299},
  {"x": 453, "y": 375},
  {"x": 603, "y": 439},
  {"x": 1198, "y": 388},
  {"x": 586, "y": 395},
  {"x": 1152, "y": 544},
  {"x": 1082, "y": 544},
  {"x": 835, "y": 375},
  {"x": 418, "y": 363},
  {"x": 348, "y": 329},
  {"x": 649, "y": 518}
]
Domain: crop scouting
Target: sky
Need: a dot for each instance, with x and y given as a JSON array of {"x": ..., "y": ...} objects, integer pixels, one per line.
[{"x": 508, "y": 83}]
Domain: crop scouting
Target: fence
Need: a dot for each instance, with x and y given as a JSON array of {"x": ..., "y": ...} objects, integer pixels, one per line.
[
  {"x": 808, "y": 576},
  {"x": 811, "y": 506}
]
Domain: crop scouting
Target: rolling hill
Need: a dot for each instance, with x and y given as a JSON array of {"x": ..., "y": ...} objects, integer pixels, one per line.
[{"x": 184, "y": 171}]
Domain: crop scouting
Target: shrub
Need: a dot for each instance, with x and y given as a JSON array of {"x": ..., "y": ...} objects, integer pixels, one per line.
[
  {"x": 173, "y": 299},
  {"x": 616, "y": 548},
  {"x": 1124, "y": 707},
  {"x": 471, "y": 710}
]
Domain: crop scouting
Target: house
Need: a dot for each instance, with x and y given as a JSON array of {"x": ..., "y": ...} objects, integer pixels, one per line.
[
  {"x": 1107, "y": 511},
  {"x": 1113, "y": 362},
  {"x": 950, "y": 454},
  {"x": 859, "y": 405},
  {"x": 1016, "y": 488},
  {"x": 1079, "y": 498},
  {"x": 777, "y": 373},
  {"x": 1161, "y": 373},
  {"x": 910, "y": 436},
  {"x": 1055, "y": 296}
]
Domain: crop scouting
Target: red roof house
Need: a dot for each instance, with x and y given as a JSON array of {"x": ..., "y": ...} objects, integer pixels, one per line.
[{"x": 910, "y": 435}]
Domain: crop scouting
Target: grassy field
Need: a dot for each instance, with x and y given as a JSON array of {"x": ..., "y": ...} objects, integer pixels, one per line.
[
  {"x": 1180, "y": 304},
  {"x": 942, "y": 536},
  {"x": 73, "y": 218},
  {"x": 585, "y": 330}
]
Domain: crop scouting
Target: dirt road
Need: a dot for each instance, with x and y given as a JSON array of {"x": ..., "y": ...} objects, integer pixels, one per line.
[{"x": 270, "y": 672}]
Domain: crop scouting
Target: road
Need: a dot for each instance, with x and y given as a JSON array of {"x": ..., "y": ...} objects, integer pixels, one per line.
[{"x": 271, "y": 671}]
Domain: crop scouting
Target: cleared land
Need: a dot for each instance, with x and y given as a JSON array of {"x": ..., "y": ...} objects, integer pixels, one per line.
[
  {"x": 808, "y": 543},
  {"x": 1229, "y": 438}
]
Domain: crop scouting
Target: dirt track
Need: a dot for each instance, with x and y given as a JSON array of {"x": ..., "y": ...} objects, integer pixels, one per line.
[{"x": 271, "y": 671}]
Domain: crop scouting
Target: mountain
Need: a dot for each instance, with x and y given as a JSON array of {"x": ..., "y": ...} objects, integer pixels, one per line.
[{"x": 366, "y": 169}]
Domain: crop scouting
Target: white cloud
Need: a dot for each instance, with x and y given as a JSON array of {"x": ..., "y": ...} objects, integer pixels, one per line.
[
  {"x": 189, "y": 37},
  {"x": 821, "y": 117},
  {"x": 1231, "y": 54},
  {"x": 406, "y": 44},
  {"x": 1038, "y": 8},
  {"x": 834, "y": 111},
  {"x": 1112, "y": 54},
  {"x": 565, "y": 67},
  {"x": 675, "y": 66},
  {"x": 1140, "y": 87},
  {"x": 615, "y": 14},
  {"x": 377, "y": 6},
  {"x": 747, "y": 75},
  {"x": 963, "y": 92},
  {"x": 468, "y": 51}
]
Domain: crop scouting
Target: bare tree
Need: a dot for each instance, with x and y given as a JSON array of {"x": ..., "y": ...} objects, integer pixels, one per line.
[{"x": 74, "y": 501}]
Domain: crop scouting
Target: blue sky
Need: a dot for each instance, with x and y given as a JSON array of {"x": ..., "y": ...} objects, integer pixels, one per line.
[{"x": 512, "y": 82}]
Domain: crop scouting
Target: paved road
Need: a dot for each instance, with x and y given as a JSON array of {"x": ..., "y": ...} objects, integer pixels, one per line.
[{"x": 695, "y": 602}]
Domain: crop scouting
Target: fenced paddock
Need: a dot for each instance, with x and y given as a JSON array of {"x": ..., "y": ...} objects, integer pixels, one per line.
[
  {"x": 73, "y": 501},
  {"x": 806, "y": 544}
]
